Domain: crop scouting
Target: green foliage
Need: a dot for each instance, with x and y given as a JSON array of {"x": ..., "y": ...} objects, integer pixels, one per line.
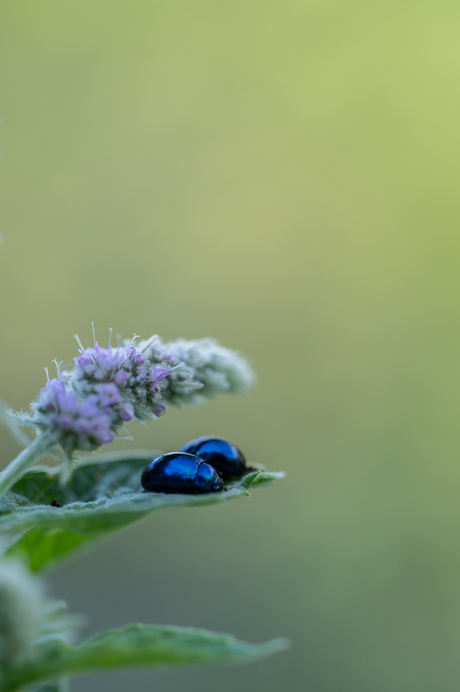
[
  {"x": 46, "y": 521},
  {"x": 132, "y": 645},
  {"x": 39, "y": 547},
  {"x": 52, "y": 686},
  {"x": 103, "y": 495},
  {"x": 43, "y": 521}
]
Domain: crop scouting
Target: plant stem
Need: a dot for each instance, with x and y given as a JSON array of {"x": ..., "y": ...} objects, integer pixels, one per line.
[{"x": 19, "y": 466}]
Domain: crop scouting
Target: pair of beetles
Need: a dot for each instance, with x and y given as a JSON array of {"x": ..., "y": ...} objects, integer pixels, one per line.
[{"x": 202, "y": 466}]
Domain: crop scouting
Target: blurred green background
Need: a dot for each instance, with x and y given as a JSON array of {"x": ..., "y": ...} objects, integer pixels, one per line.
[{"x": 282, "y": 176}]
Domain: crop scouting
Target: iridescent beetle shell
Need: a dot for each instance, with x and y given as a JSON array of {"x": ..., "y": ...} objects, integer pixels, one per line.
[
  {"x": 223, "y": 456},
  {"x": 178, "y": 472}
]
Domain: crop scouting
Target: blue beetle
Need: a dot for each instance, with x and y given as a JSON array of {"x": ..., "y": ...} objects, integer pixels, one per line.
[
  {"x": 227, "y": 459},
  {"x": 178, "y": 472}
]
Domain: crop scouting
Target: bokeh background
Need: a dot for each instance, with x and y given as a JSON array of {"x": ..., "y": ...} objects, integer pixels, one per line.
[{"x": 283, "y": 176}]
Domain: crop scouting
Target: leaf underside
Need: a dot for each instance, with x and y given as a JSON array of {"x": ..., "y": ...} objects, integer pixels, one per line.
[
  {"x": 132, "y": 645},
  {"x": 103, "y": 495}
]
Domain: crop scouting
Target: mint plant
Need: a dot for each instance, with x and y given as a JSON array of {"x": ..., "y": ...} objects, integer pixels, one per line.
[{"x": 47, "y": 513}]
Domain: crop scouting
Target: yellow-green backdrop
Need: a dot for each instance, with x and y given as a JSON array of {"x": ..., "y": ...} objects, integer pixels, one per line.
[{"x": 283, "y": 176}]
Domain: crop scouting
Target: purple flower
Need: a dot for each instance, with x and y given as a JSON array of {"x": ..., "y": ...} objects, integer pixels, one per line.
[
  {"x": 102, "y": 363},
  {"x": 109, "y": 394},
  {"x": 121, "y": 377},
  {"x": 72, "y": 423},
  {"x": 53, "y": 390},
  {"x": 111, "y": 386},
  {"x": 89, "y": 407},
  {"x": 159, "y": 409},
  {"x": 159, "y": 372},
  {"x": 82, "y": 425},
  {"x": 126, "y": 413},
  {"x": 65, "y": 421}
]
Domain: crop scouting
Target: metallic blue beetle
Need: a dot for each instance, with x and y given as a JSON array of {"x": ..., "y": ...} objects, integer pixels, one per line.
[
  {"x": 177, "y": 472},
  {"x": 227, "y": 459}
]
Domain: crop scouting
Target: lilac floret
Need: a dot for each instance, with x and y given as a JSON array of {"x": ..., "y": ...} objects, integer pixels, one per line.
[
  {"x": 100, "y": 362},
  {"x": 126, "y": 413},
  {"x": 89, "y": 407},
  {"x": 65, "y": 421},
  {"x": 159, "y": 372},
  {"x": 159, "y": 409},
  {"x": 72, "y": 423},
  {"x": 109, "y": 394},
  {"x": 123, "y": 379}
]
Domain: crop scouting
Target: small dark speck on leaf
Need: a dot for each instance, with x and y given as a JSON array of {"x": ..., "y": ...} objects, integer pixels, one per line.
[{"x": 55, "y": 503}]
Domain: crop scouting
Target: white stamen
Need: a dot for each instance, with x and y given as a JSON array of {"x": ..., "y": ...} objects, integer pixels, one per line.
[
  {"x": 77, "y": 339},
  {"x": 135, "y": 336},
  {"x": 148, "y": 343},
  {"x": 58, "y": 364},
  {"x": 110, "y": 337},
  {"x": 94, "y": 332},
  {"x": 175, "y": 367},
  {"x": 118, "y": 340},
  {"x": 47, "y": 374}
]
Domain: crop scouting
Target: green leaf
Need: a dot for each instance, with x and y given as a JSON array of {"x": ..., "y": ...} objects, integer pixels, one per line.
[
  {"x": 133, "y": 645},
  {"x": 38, "y": 547},
  {"x": 52, "y": 686},
  {"x": 103, "y": 495}
]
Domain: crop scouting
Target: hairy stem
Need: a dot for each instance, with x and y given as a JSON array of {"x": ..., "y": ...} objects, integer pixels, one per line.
[{"x": 19, "y": 466}]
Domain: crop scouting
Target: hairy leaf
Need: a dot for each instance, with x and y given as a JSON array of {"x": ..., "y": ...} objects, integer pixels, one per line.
[
  {"x": 133, "y": 645},
  {"x": 104, "y": 495}
]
